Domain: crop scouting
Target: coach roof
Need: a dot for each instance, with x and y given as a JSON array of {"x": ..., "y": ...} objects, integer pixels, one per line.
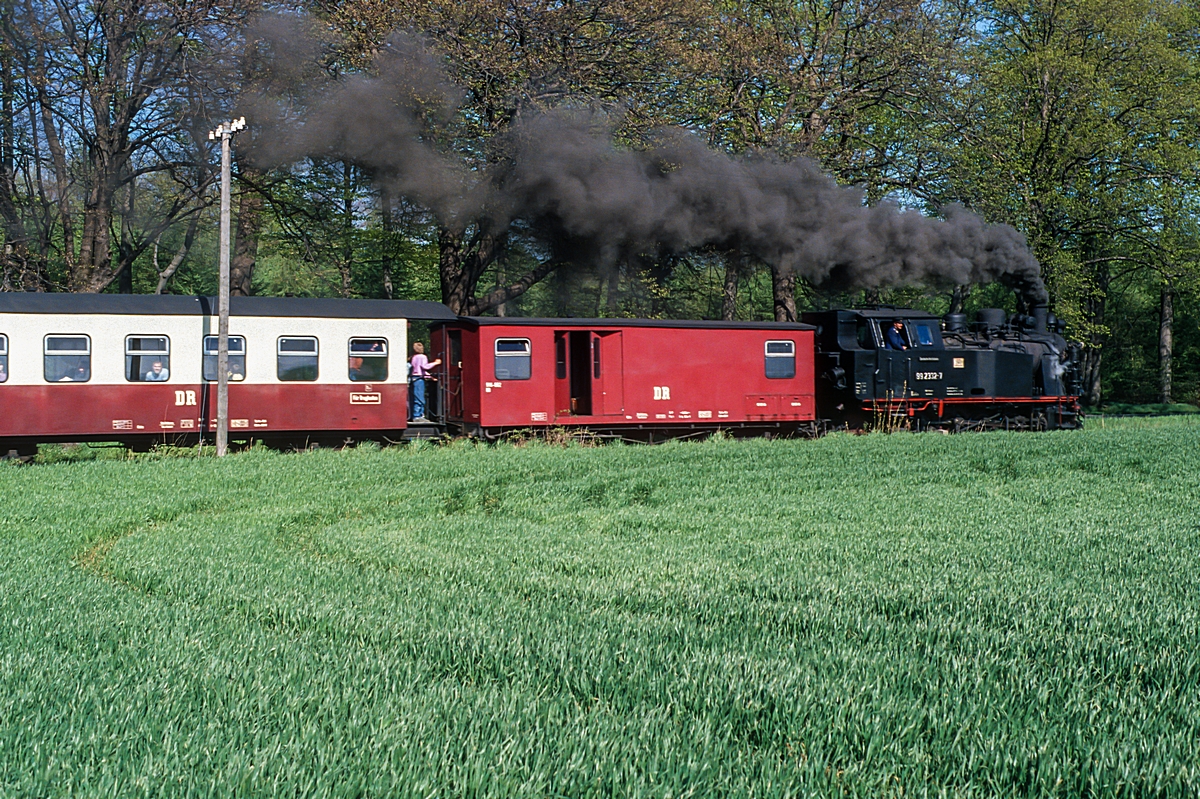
[
  {"x": 516, "y": 321},
  {"x": 22, "y": 302}
]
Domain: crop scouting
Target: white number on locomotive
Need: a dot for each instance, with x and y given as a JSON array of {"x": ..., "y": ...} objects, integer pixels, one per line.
[{"x": 929, "y": 375}]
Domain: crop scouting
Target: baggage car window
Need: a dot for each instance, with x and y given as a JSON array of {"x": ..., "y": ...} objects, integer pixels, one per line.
[
  {"x": 67, "y": 359},
  {"x": 237, "y": 358},
  {"x": 296, "y": 358},
  {"x": 512, "y": 359},
  {"x": 780, "y": 360},
  {"x": 147, "y": 359},
  {"x": 3, "y": 359},
  {"x": 368, "y": 360}
]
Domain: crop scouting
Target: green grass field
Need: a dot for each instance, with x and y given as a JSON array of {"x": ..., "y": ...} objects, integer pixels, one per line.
[{"x": 974, "y": 615}]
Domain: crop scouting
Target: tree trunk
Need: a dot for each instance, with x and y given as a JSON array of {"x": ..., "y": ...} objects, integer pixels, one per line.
[
  {"x": 733, "y": 264},
  {"x": 456, "y": 286},
  {"x": 165, "y": 275},
  {"x": 92, "y": 273},
  {"x": 346, "y": 263},
  {"x": 612, "y": 296},
  {"x": 249, "y": 224},
  {"x": 387, "y": 252},
  {"x": 958, "y": 299},
  {"x": 1090, "y": 369},
  {"x": 1165, "y": 321},
  {"x": 783, "y": 289},
  {"x": 16, "y": 249},
  {"x": 461, "y": 262},
  {"x": 501, "y": 308}
]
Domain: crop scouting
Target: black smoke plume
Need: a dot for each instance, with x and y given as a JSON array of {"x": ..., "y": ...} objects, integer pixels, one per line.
[{"x": 561, "y": 175}]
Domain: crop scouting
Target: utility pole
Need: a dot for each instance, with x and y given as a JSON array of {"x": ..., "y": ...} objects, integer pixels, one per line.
[{"x": 224, "y": 132}]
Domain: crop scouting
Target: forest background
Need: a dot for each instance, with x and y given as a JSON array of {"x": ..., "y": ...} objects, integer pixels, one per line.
[{"x": 1075, "y": 121}]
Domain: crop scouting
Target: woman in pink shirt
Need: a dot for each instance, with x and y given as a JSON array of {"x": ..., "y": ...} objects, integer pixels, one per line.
[{"x": 420, "y": 366}]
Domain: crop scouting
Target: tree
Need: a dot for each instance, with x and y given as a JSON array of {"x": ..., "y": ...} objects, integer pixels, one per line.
[
  {"x": 110, "y": 95},
  {"x": 1069, "y": 120},
  {"x": 514, "y": 58},
  {"x": 834, "y": 80}
]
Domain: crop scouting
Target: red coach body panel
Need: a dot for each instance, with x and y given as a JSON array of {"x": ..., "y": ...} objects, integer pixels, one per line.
[
  {"x": 116, "y": 411},
  {"x": 611, "y": 372}
]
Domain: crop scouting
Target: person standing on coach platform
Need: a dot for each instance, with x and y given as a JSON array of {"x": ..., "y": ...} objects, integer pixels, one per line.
[{"x": 420, "y": 370}]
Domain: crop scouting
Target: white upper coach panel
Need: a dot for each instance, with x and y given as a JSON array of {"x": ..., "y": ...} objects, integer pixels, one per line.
[{"x": 34, "y": 325}]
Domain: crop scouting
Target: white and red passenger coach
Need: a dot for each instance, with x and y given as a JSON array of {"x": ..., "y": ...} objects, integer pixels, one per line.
[{"x": 142, "y": 369}]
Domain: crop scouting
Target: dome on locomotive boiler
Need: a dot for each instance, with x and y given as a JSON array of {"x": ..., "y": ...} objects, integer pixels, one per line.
[{"x": 991, "y": 318}]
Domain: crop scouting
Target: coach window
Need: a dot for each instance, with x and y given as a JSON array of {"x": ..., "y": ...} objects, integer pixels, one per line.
[
  {"x": 147, "y": 359},
  {"x": 237, "y": 358},
  {"x": 512, "y": 359},
  {"x": 781, "y": 359},
  {"x": 3, "y": 359},
  {"x": 68, "y": 359},
  {"x": 297, "y": 359},
  {"x": 368, "y": 360}
]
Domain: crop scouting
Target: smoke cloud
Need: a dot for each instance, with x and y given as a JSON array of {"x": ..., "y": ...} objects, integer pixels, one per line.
[{"x": 562, "y": 175}]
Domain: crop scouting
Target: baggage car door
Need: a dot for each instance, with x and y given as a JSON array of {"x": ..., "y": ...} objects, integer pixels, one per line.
[{"x": 608, "y": 372}]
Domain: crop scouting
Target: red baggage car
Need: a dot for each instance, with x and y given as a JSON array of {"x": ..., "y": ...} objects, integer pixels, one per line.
[{"x": 633, "y": 377}]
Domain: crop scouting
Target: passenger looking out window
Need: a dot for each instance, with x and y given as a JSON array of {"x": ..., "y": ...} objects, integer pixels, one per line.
[
  {"x": 368, "y": 360},
  {"x": 142, "y": 353},
  {"x": 158, "y": 373},
  {"x": 237, "y": 358}
]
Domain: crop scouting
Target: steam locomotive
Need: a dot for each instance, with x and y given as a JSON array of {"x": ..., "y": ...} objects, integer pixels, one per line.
[
  {"x": 141, "y": 370},
  {"x": 1000, "y": 372}
]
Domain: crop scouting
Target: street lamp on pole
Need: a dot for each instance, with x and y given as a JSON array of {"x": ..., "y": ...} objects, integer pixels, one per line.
[{"x": 224, "y": 132}]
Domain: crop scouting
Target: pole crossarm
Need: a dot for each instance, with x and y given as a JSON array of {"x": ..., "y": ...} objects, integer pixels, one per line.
[{"x": 224, "y": 132}]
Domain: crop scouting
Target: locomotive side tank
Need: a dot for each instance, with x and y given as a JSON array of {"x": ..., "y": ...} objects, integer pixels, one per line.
[{"x": 1000, "y": 373}]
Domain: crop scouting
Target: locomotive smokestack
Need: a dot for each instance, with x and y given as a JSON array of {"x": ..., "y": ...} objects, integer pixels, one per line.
[{"x": 1040, "y": 312}]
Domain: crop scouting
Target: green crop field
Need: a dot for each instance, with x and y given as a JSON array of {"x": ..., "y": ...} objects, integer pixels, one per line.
[{"x": 973, "y": 615}]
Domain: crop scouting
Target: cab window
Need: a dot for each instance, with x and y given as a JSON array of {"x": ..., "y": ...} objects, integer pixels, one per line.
[
  {"x": 147, "y": 359},
  {"x": 368, "y": 360},
  {"x": 780, "y": 359},
  {"x": 512, "y": 359},
  {"x": 3, "y": 359},
  {"x": 297, "y": 359},
  {"x": 67, "y": 359},
  {"x": 924, "y": 334},
  {"x": 866, "y": 336},
  {"x": 237, "y": 358}
]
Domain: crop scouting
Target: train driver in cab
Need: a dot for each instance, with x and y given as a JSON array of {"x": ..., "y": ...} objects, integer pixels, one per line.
[{"x": 895, "y": 336}]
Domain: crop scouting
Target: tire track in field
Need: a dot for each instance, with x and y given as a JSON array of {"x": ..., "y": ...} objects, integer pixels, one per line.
[{"x": 94, "y": 557}]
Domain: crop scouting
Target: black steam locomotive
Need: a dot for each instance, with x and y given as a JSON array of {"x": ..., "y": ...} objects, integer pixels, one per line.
[{"x": 1000, "y": 372}]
